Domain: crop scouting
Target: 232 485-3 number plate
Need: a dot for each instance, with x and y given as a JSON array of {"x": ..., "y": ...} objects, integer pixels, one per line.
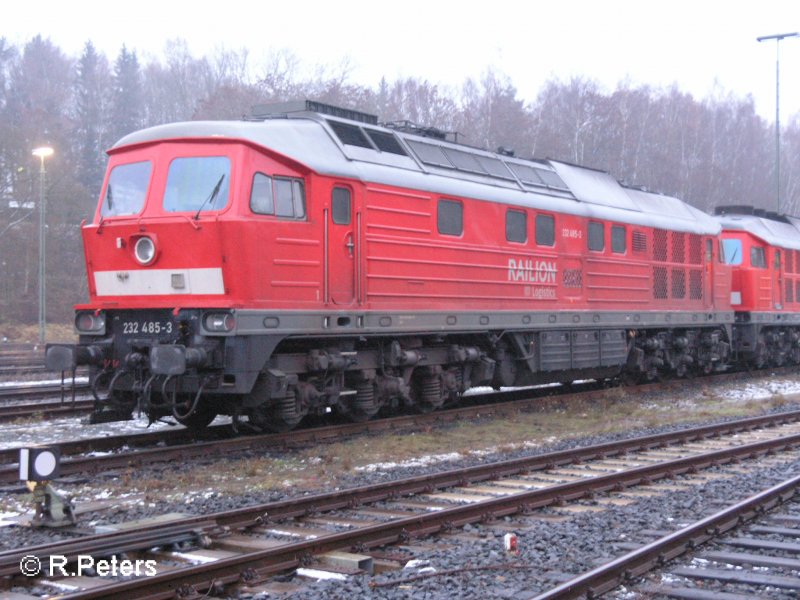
[{"x": 146, "y": 327}]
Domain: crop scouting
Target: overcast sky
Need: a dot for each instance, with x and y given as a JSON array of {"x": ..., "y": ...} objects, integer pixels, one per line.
[{"x": 692, "y": 42}]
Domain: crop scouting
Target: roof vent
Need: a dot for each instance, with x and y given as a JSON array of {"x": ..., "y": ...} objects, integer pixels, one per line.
[
  {"x": 428, "y": 132},
  {"x": 750, "y": 210},
  {"x": 734, "y": 210},
  {"x": 283, "y": 109}
]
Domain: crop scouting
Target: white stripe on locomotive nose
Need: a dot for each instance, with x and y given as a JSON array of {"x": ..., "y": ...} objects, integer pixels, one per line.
[{"x": 159, "y": 282}]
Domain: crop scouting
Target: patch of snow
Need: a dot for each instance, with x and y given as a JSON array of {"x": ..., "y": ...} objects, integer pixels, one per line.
[
  {"x": 422, "y": 461},
  {"x": 415, "y": 563},
  {"x": 8, "y": 518},
  {"x": 320, "y": 575},
  {"x": 767, "y": 389},
  {"x": 194, "y": 557}
]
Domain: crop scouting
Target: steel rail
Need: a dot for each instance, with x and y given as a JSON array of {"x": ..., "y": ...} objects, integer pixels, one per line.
[
  {"x": 261, "y": 514},
  {"x": 36, "y": 390},
  {"x": 222, "y": 447},
  {"x": 108, "y": 544},
  {"x": 640, "y": 561},
  {"x": 46, "y": 410},
  {"x": 305, "y": 505},
  {"x": 259, "y": 565}
]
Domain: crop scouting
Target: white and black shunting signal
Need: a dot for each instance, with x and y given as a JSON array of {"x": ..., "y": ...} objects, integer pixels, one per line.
[{"x": 40, "y": 463}]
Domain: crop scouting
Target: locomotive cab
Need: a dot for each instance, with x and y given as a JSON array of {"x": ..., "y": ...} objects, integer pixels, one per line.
[{"x": 178, "y": 224}]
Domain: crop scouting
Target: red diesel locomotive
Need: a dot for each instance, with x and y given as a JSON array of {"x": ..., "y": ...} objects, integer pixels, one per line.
[
  {"x": 310, "y": 259},
  {"x": 763, "y": 249}
]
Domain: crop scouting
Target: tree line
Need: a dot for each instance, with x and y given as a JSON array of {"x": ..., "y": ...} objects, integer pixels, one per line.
[{"x": 708, "y": 151}]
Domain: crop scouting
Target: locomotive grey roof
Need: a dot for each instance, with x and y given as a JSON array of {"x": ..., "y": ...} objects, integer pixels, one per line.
[
  {"x": 442, "y": 167},
  {"x": 782, "y": 231}
]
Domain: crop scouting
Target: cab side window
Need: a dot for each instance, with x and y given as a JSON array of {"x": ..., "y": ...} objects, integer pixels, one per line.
[
  {"x": 261, "y": 199},
  {"x": 757, "y": 257},
  {"x": 280, "y": 196}
]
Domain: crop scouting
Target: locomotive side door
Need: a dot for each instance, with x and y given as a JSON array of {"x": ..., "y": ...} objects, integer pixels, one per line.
[
  {"x": 709, "y": 293},
  {"x": 342, "y": 247},
  {"x": 777, "y": 282}
]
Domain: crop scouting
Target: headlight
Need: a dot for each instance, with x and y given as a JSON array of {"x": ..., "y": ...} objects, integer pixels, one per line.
[
  {"x": 220, "y": 322},
  {"x": 88, "y": 322},
  {"x": 144, "y": 250}
]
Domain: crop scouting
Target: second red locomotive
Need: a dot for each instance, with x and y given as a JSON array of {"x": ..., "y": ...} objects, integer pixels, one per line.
[{"x": 311, "y": 259}]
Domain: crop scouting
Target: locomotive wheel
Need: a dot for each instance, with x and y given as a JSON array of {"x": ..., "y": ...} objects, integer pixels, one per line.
[{"x": 283, "y": 415}]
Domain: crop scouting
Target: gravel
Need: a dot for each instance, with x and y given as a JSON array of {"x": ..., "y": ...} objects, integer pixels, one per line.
[{"x": 549, "y": 549}]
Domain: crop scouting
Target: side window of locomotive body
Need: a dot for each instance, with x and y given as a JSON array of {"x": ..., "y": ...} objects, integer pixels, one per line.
[
  {"x": 126, "y": 189},
  {"x": 545, "y": 230},
  {"x": 732, "y": 251},
  {"x": 618, "y": 242},
  {"x": 197, "y": 184},
  {"x": 516, "y": 226},
  {"x": 758, "y": 258},
  {"x": 777, "y": 260},
  {"x": 709, "y": 251},
  {"x": 450, "y": 217},
  {"x": 597, "y": 238},
  {"x": 278, "y": 196},
  {"x": 340, "y": 206}
]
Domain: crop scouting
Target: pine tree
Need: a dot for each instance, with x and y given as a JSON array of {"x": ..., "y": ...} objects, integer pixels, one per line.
[
  {"x": 126, "y": 100},
  {"x": 91, "y": 85}
]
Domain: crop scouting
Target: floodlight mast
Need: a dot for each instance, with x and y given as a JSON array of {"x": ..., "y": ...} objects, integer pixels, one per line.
[
  {"x": 778, "y": 37},
  {"x": 41, "y": 153}
]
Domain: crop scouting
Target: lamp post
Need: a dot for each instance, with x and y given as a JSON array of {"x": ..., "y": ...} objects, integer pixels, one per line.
[
  {"x": 778, "y": 37},
  {"x": 42, "y": 152}
]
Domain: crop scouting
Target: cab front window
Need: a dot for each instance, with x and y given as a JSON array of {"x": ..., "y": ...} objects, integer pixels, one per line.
[
  {"x": 732, "y": 251},
  {"x": 126, "y": 189},
  {"x": 197, "y": 184}
]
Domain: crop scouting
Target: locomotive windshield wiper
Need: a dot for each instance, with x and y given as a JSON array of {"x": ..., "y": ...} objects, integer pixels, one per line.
[
  {"x": 211, "y": 197},
  {"x": 109, "y": 197}
]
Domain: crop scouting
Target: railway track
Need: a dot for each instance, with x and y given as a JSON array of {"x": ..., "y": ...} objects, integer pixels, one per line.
[
  {"x": 166, "y": 445},
  {"x": 53, "y": 401},
  {"x": 248, "y": 545},
  {"x": 721, "y": 527},
  {"x": 23, "y": 358},
  {"x": 46, "y": 410},
  {"x": 14, "y": 362},
  {"x": 39, "y": 390}
]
